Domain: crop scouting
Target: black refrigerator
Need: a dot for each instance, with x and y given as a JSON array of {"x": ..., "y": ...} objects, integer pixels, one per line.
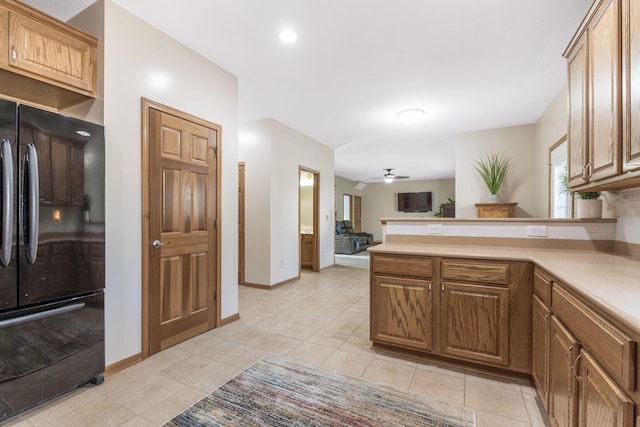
[{"x": 52, "y": 269}]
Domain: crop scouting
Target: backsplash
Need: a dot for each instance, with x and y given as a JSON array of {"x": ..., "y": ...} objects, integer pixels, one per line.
[
  {"x": 579, "y": 230},
  {"x": 627, "y": 209}
]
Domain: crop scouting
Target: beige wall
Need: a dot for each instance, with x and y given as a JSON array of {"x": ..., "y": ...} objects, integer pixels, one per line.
[
  {"x": 306, "y": 207},
  {"x": 343, "y": 186},
  {"x": 379, "y": 200},
  {"x": 134, "y": 54},
  {"x": 516, "y": 142}
]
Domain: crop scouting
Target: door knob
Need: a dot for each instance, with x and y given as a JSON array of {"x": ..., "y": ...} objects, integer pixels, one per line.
[{"x": 158, "y": 244}]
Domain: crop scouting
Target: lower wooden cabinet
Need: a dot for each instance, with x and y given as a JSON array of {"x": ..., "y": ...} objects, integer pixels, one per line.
[
  {"x": 403, "y": 312},
  {"x": 563, "y": 385},
  {"x": 459, "y": 309},
  {"x": 602, "y": 403},
  {"x": 540, "y": 338},
  {"x": 474, "y": 322}
]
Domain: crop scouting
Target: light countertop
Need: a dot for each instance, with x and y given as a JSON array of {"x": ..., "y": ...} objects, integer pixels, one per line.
[{"x": 609, "y": 281}]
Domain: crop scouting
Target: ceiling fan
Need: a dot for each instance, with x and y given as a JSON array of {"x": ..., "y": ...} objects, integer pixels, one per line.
[{"x": 390, "y": 177}]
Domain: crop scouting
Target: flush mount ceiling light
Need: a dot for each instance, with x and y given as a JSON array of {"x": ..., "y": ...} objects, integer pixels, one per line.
[
  {"x": 83, "y": 133},
  {"x": 288, "y": 36},
  {"x": 410, "y": 116}
]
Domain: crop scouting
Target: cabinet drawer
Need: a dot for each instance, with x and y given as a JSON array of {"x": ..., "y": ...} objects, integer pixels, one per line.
[
  {"x": 542, "y": 286},
  {"x": 476, "y": 271},
  {"x": 611, "y": 347},
  {"x": 402, "y": 265}
]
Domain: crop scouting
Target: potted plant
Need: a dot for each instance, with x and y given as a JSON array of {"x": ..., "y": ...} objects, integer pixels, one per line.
[
  {"x": 446, "y": 210},
  {"x": 588, "y": 203},
  {"x": 493, "y": 169}
]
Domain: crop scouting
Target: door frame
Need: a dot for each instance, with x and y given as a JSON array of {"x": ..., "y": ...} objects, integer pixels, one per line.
[
  {"x": 147, "y": 105},
  {"x": 316, "y": 218}
]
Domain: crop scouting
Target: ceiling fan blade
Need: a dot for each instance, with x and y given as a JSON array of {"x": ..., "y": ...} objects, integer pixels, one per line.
[{"x": 403, "y": 177}]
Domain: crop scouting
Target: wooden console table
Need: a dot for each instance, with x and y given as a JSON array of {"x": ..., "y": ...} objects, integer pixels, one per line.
[{"x": 496, "y": 210}]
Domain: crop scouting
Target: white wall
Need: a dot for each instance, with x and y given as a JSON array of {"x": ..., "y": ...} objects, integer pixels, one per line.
[
  {"x": 516, "y": 142},
  {"x": 254, "y": 149},
  {"x": 135, "y": 55},
  {"x": 273, "y": 154}
]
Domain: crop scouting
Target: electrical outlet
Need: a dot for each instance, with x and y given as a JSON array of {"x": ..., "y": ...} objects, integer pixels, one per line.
[
  {"x": 434, "y": 228},
  {"x": 537, "y": 230}
]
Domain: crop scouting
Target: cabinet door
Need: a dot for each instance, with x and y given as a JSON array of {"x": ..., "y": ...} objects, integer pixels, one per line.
[
  {"x": 602, "y": 402},
  {"x": 401, "y": 312},
  {"x": 578, "y": 117},
  {"x": 563, "y": 385},
  {"x": 474, "y": 321},
  {"x": 45, "y": 51},
  {"x": 630, "y": 82},
  {"x": 604, "y": 92},
  {"x": 540, "y": 349}
]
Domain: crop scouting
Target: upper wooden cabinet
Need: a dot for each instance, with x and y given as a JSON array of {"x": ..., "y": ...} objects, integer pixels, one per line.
[
  {"x": 603, "y": 61},
  {"x": 631, "y": 84},
  {"x": 43, "y": 60},
  {"x": 594, "y": 98}
]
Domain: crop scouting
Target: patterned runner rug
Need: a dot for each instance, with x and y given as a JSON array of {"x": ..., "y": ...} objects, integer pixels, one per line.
[{"x": 278, "y": 391}]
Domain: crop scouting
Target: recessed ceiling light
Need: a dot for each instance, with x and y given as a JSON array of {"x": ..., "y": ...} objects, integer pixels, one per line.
[
  {"x": 410, "y": 116},
  {"x": 288, "y": 36}
]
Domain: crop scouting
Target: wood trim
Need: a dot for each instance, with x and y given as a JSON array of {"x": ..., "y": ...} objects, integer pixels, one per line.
[
  {"x": 582, "y": 28},
  {"x": 122, "y": 364},
  {"x": 146, "y": 105},
  {"x": 549, "y": 151},
  {"x": 269, "y": 287},
  {"x": 229, "y": 319}
]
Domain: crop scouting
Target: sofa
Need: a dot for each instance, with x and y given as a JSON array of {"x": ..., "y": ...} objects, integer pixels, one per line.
[{"x": 349, "y": 242}]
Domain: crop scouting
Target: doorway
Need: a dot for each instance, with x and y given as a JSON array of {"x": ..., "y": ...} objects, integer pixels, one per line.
[
  {"x": 308, "y": 205},
  {"x": 180, "y": 211}
]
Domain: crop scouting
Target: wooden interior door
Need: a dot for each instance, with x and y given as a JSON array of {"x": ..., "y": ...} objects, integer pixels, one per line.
[
  {"x": 357, "y": 214},
  {"x": 241, "y": 250},
  {"x": 182, "y": 237}
]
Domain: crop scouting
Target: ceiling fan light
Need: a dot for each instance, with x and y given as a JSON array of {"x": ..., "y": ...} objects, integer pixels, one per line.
[
  {"x": 388, "y": 179},
  {"x": 411, "y": 115}
]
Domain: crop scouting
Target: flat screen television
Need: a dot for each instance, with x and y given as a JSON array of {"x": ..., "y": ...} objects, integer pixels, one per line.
[{"x": 414, "y": 202}]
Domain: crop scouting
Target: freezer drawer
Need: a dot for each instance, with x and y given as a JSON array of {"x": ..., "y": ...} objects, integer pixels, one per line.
[{"x": 49, "y": 350}]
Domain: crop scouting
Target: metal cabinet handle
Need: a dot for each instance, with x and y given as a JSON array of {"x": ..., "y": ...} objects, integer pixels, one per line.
[
  {"x": 589, "y": 170},
  {"x": 158, "y": 244},
  {"x": 575, "y": 368},
  {"x": 442, "y": 289},
  {"x": 429, "y": 288},
  {"x": 14, "y": 53}
]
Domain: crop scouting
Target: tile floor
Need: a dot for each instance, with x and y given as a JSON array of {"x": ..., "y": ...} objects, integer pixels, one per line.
[{"x": 322, "y": 319}]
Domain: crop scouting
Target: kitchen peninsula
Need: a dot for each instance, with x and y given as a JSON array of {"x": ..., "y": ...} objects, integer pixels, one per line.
[{"x": 547, "y": 301}]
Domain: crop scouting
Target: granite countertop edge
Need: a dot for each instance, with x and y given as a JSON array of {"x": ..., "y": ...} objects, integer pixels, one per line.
[{"x": 591, "y": 274}]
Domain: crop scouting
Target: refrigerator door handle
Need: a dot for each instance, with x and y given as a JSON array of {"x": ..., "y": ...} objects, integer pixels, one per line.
[
  {"x": 32, "y": 211},
  {"x": 7, "y": 202},
  {"x": 40, "y": 315}
]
